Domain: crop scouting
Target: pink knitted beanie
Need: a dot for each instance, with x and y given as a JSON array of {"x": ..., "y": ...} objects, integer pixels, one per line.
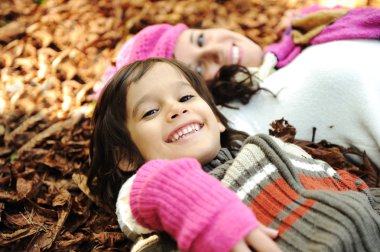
[{"x": 153, "y": 41}]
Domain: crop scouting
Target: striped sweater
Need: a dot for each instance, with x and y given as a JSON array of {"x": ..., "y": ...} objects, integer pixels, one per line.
[{"x": 314, "y": 207}]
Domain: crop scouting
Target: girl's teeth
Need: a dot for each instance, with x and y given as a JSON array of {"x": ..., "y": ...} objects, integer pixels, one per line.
[
  {"x": 235, "y": 54},
  {"x": 188, "y": 130}
]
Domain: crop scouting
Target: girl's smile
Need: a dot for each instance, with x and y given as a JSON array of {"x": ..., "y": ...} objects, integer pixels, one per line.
[{"x": 184, "y": 132}]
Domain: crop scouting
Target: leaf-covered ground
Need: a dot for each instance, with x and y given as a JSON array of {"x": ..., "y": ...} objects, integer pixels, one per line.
[{"x": 52, "y": 56}]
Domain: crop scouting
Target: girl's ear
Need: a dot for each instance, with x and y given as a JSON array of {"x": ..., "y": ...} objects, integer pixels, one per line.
[
  {"x": 125, "y": 165},
  {"x": 222, "y": 128}
]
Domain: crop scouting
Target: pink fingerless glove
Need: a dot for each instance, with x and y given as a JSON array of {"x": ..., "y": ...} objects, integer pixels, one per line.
[{"x": 193, "y": 207}]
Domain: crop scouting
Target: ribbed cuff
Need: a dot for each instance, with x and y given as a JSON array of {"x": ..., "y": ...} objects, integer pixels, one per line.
[{"x": 232, "y": 224}]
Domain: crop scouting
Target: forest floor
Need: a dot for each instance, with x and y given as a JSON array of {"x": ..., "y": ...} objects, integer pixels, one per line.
[{"x": 52, "y": 56}]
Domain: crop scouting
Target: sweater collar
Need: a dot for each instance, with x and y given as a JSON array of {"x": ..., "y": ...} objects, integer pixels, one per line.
[{"x": 223, "y": 156}]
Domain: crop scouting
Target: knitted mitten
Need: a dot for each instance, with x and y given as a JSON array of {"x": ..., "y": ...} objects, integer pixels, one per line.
[{"x": 193, "y": 207}]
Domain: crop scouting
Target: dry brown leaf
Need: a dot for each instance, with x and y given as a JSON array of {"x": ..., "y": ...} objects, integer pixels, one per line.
[
  {"x": 17, "y": 235},
  {"x": 29, "y": 122},
  {"x": 43, "y": 36},
  {"x": 62, "y": 199},
  {"x": 66, "y": 240},
  {"x": 81, "y": 181},
  {"x": 58, "y": 162},
  {"x": 282, "y": 129},
  {"x": 109, "y": 238},
  {"x": 11, "y": 30},
  {"x": 51, "y": 130},
  {"x": 46, "y": 239},
  {"x": 6, "y": 59},
  {"x": 2, "y": 206},
  {"x": 9, "y": 196},
  {"x": 23, "y": 187},
  {"x": 4, "y": 151}
]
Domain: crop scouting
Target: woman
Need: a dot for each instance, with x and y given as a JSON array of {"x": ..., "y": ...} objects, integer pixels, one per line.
[{"x": 331, "y": 87}]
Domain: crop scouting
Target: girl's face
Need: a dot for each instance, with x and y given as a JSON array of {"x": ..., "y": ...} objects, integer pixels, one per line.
[
  {"x": 207, "y": 50},
  {"x": 167, "y": 119}
]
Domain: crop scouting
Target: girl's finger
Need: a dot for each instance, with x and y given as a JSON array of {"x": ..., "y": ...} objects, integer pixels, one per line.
[
  {"x": 261, "y": 242},
  {"x": 272, "y": 233},
  {"x": 241, "y": 246}
]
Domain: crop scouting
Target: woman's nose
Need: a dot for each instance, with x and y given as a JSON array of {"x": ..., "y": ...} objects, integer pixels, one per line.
[
  {"x": 212, "y": 59},
  {"x": 211, "y": 54}
]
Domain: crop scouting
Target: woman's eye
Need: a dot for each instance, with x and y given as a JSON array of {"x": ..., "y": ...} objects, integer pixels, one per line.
[
  {"x": 150, "y": 113},
  {"x": 199, "y": 70},
  {"x": 186, "y": 98},
  {"x": 200, "y": 40}
]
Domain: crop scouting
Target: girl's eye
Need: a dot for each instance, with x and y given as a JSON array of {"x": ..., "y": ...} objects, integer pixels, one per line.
[
  {"x": 200, "y": 40},
  {"x": 186, "y": 98},
  {"x": 150, "y": 113}
]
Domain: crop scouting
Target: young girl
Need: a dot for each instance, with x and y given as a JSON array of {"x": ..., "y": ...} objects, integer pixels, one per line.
[{"x": 158, "y": 115}]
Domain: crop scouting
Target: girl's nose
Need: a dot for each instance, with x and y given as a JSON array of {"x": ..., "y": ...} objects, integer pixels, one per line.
[
  {"x": 177, "y": 111},
  {"x": 178, "y": 114}
]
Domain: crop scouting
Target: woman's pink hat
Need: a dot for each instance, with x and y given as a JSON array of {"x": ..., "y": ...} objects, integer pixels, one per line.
[{"x": 153, "y": 41}]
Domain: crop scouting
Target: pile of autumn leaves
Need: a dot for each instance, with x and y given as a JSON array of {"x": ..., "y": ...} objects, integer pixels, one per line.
[{"x": 52, "y": 56}]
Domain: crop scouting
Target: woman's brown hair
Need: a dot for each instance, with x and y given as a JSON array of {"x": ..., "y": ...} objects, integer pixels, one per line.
[{"x": 226, "y": 87}]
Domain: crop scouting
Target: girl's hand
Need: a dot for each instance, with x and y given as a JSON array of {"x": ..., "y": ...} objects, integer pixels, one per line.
[{"x": 260, "y": 239}]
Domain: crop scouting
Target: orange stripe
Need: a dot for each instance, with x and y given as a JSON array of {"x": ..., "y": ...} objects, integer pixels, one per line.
[
  {"x": 295, "y": 215},
  {"x": 312, "y": 183},
  {"x": 273, "y": 197},
  {"x": 346, "y": 182},
  {"x": 272, "y": 201}
]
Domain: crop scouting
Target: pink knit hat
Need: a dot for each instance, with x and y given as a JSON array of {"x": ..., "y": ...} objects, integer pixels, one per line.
[{"x": 153, "y": 41}]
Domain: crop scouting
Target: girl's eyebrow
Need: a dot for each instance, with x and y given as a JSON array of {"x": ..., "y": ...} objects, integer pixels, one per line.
[{"x": 138, "y": 103}]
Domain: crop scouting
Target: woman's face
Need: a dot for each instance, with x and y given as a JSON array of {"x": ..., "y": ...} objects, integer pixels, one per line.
[{"x": 207, "y": 50}]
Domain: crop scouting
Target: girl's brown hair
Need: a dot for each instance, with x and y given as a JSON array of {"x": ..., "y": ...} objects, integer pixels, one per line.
[{"x": 111, "y": 142}]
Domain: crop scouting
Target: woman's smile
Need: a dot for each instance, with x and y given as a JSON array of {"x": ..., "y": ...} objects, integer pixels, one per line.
[{"x": 236, "y": 54}]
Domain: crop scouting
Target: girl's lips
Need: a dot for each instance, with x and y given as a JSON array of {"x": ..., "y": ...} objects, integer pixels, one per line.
[{"x": 183, "y": 131}]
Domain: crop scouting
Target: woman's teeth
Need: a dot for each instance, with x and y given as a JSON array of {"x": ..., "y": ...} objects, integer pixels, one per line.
[
  {"x": 192, "y": 128},
  {"x": 235, "y": 54}
]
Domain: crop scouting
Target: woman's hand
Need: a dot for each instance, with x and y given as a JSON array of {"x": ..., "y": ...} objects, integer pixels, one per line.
[
  {"x": 260, "y": 239},
  {"x": 286, "y": 21}
]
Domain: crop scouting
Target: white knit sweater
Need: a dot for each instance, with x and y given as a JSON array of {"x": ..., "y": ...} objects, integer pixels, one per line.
[{"x": 334, "y": 87}]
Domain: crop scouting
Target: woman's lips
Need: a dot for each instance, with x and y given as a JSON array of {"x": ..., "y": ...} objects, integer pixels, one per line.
[{"x": 235, "y": 54}]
